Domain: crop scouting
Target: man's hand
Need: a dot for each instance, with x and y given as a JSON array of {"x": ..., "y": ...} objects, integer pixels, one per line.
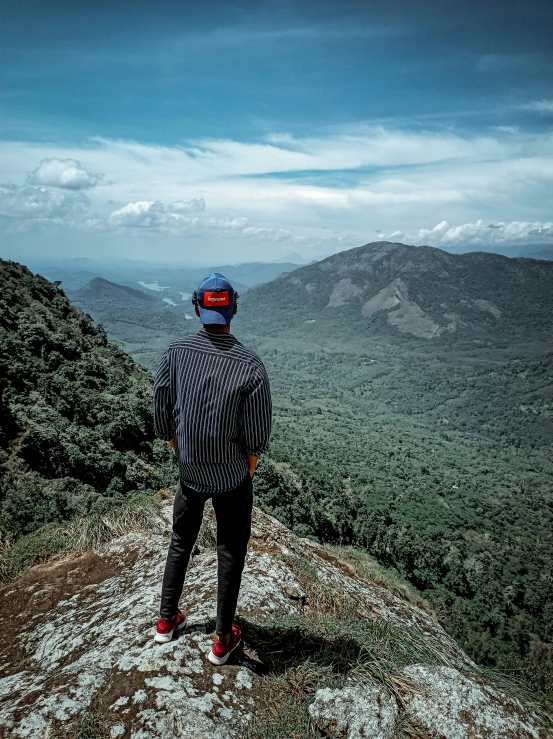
[
  {"x": 252, "y": 461},
  {"x": 172, "y": 445}
]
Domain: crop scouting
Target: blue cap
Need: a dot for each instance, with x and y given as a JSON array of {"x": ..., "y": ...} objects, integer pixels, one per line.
[{"x": 216, "y": 300}]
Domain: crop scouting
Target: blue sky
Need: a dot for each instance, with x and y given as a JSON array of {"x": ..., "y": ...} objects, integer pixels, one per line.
[{"x": 253, "y": 129}]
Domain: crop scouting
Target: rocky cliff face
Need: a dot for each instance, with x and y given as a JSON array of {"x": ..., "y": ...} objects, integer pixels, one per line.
[{"x": 78, "y": 642}]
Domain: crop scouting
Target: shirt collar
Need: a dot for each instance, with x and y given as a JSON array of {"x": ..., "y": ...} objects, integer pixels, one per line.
[{"x": 216, "y": 336}]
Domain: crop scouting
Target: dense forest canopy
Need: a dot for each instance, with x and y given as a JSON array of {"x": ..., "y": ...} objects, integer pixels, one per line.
[{"x": 76, "y": 431}]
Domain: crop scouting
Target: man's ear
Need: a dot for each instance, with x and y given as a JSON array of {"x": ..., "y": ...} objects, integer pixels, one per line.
[{"x": 197, "y": 311}]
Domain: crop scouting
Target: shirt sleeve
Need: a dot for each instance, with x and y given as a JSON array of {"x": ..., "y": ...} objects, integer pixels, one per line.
[
  {"x": 258, "y": 415},
  {"x": 163, "y": 401}
]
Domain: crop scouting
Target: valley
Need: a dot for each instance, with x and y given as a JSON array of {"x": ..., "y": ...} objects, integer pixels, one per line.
[
  {"x": 416, "y": 411},
  {"x": 413, "y": 394}
]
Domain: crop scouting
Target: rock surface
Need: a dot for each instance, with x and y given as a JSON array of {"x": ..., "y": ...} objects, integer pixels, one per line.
[
  {"x": 355, "y": 712},
  {"x": 345, "y": 290},
  {"x": 78, "y": 636},
  {"x": 403, "y": 313},
  {"x": 447, "y": 704},
  {"x": 461, "y": 707}
]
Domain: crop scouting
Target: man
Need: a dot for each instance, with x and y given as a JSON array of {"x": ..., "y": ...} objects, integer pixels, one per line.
[{"x": 212, "y": 403}]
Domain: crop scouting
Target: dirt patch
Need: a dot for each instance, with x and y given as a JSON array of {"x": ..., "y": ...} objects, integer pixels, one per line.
[
  {"x": 344, "y": 566},
  {"x": 39, "y": 590}
]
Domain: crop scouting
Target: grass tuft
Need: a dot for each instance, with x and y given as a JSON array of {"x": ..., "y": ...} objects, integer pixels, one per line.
[
  {"x": 94, "y": 531},
  {"x": 88, "y": 726},
  {"x": 139, "y": 515},
  {"x": 369, "y": 569},
  {"x": 331, "y": 645}
]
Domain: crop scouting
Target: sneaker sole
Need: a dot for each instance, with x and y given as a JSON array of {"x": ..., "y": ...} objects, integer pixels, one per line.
[
  {"x": 222, "y": 660},
  {"x": 164, "y": 638}
]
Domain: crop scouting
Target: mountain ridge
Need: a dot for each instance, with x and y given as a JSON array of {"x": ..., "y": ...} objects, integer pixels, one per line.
[
  {"x": 478, "y": 295},
  {"x": 100, "y": 291}
]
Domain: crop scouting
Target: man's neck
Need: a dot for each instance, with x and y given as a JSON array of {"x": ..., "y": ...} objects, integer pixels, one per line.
[{"x": 217, "y": 329}]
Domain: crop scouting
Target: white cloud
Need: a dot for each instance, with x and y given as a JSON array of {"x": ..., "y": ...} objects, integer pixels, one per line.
[
  {"x": 321, "y": 192},
  {"x": 66, "y": 173},
  {"x": 272, "y": 234},
  {"x": 40, "y": 202},
  {"x": 144, "y": 214},
  {"x": 540, "y": 106},
  {"x": 155, "y": 216},
  {"x": 188, "y": 206},
  {"x": 160, "y": 172},
  {"x": 478, "y": 233}
]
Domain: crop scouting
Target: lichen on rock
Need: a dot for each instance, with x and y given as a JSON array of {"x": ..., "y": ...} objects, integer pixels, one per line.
[
  {"x": 355, "y": 712},
  {"x": 460, "y": 706},
  {"x": 78, "y": 639}
]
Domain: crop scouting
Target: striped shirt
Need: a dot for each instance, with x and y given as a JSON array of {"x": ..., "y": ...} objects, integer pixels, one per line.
[{"x": 212, "y": 397}]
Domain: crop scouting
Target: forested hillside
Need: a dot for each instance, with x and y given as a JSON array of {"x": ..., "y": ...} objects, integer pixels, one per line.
[
  {"x": 423, "y": 437},
  {"x": 76, "y": 432},
  {"x": 100, "y": 295},
  {"x": 414, "y": 416},
  {"x": 139, "y": 319}
]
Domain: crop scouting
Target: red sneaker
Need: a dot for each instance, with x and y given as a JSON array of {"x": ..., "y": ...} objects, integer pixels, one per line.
[
  {"x": 166, "y": 629},
  {"x": 219, "y": 652}
]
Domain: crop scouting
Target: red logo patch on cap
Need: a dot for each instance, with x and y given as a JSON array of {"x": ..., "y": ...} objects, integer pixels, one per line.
[{"x": 215, "y": 300}]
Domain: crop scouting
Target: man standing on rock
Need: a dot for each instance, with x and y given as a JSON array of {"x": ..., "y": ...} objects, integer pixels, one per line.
[{"x": 212, "y": 403}]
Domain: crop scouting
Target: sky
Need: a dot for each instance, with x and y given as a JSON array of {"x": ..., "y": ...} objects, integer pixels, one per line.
[{"x": 241, "y": 131}]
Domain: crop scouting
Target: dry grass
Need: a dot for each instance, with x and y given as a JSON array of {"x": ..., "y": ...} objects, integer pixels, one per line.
[
  {"x": 369, "y": 569},
  {"x": 163, "y": 494},
  {"x": 62, "y": 541},
  {"x": 282, "y": 704},
  {"x": 94, "y": 531},
  {"x": 88, "y": 726}
]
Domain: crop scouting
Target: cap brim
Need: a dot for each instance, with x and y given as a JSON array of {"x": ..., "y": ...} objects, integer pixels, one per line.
[{"x": 213, "y": 316}]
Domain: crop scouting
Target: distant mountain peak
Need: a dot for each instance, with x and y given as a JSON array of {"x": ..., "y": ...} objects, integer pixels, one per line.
[
  {"x": 100, "y": 288},
  {"x": 422, "y": 291},
  {"x": 292, "y": 258}
]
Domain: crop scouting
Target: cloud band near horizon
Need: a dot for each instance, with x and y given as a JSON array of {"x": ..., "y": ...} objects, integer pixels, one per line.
[{"x": 314, "y": 194}]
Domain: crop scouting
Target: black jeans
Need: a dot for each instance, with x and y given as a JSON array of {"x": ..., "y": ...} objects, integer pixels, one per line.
[{"x": 233, "y": 511}]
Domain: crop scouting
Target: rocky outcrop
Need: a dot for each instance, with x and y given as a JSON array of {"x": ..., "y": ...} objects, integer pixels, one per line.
[
  {"x": 344, "y": 291},
  {"x": 355, "y": 712},
  {"x": 486, "y": 307},
  {"x": 403, "y": 313},
  {"x": 444, "y": 703},
  {"x": 392, "y": 296},
  {"x": 461, "y": 706},
  {"x": 78, "y": 637}
]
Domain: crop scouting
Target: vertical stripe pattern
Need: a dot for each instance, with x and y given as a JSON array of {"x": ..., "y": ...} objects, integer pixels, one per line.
[{"x": 212, "y": 397}]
